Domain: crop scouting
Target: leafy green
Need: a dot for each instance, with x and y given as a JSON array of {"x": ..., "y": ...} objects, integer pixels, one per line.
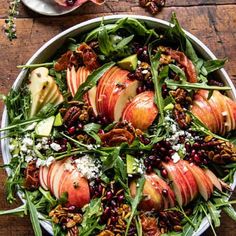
[
  {"x": 157, "y": 80},
  {"x": 134, "y": 202},
  {"x": 92, "y": 129},
  {"x": 212, "y": 65},
  {"x": 214, "y": 213},
  {"x": 33, "y": 215},
  {"x": 92, "y": 80},
  {"x": 91, "y": 217},
  {"x": 227, "y": 207},
  {"x": 104, "y": 41},
  {"x": 19, "y": 211}
]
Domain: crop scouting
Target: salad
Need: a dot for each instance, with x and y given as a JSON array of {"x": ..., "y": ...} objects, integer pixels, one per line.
[{"x": 127, "y": 131}]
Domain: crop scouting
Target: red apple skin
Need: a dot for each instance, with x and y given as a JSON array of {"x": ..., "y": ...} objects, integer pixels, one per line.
[
  {"x": 43, "y": 174},
  {"x": 77, "y": 188},
  {"x": 102, "y": 84},
  {"x": 141, "y": 111},
  {"x": 215, "y": 181},
  {"x": 160, "y": 185},
  {"x": 231, "y": 105},
  {"x": 189, "y": 178},
  {"x": 180, "y": 186},
  {"x": 153, "y": 199},
  {"x": 203, "y": 111},
  {"x": 205, "y": 185}
]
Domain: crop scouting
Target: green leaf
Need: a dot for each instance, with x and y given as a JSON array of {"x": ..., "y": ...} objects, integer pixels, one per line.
[
  {"x": 92, "y": 129},
  {"x": 172, "y": 84},
  {"x": 92, "y": 80},
  {"x": 135, "y": 202},
  {"x": 179, "y": 72},
  {"x": 33, "y": 215},
  {"x": 124, "y": 42},
  {"x": 157, "y": 80},
  {"x": 104, "y": 41},
  {"x": 213, "y": 65},
  {"x": 214, "y": 213},
  {"x": 19, "y": 211},
  {"x": 91, "y": 217}
]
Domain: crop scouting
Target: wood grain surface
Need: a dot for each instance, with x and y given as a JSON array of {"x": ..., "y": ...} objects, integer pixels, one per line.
[{"x": 213, "y": 22}]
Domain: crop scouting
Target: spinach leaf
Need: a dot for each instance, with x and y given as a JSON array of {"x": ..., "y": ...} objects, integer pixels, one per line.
[
  {"x": 91, "y": 217},
  {"x": 92, "y": 129},
  {"x": 92, "y": 80},
  {"x": 104, "y": 41},
  {"x": 124, "y": 42},
  {"x": 213, "y": 65},
  {"x": 33, "y": 215}
]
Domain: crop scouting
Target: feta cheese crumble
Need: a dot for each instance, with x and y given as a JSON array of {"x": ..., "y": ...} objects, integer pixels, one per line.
[
  {"x": 55, "y": 146},
  {"x": 88, "y": 167}
]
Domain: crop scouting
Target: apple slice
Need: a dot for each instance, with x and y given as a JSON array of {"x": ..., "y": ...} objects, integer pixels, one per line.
[
  {"x": 161, "y": 185},
  {"x": 231, "y": 106},
  {"x": 204, "y": 113},
  {"x": 77, "y": 188},
  {"x": 204, "y": 183},
  {"x": 189, "y": 178},
  {"x": 179, "y": 184},
  {"x": 141, "y": 111},
  {"x": 43, "y": 173},
  {"x": 213, "y": 179},
  {"x": 153, "y": 199},
  {"x": 71, "y": 80},
  {"x": 104, "y": 80}
]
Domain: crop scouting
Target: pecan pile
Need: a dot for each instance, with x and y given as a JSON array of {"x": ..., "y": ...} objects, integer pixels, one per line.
[
  {"x": 153, "y": 6},
  {"x": 31, "y": 176}
]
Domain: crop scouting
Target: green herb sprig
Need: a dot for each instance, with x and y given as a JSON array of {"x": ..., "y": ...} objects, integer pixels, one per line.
[{"x": 10, "y": 26}]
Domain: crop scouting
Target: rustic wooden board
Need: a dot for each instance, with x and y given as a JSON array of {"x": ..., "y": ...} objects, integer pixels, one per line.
[{"x": 214, "y": 22}]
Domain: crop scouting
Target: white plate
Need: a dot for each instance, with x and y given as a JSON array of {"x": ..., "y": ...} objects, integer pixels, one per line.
[
  {"x": 50, "y": 47},
  {"x": 48, "y": 7}
]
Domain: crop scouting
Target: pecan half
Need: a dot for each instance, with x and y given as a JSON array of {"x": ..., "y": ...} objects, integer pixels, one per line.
[
  {"x": 72, "y": 115},
  {"x": 149, "y": 226},
  {"x": 31, "y": 176},
  {"x": 116, "y": 137}
]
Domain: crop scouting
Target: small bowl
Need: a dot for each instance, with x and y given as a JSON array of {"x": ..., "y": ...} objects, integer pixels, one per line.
[{"x": 50, "y": 47}]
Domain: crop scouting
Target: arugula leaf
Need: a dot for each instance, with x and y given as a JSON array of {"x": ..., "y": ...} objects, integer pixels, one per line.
[
  {"x": 212, "y": 65},
  {"x": 92, "y": 129},
  {"x": 157, "y": 80},
  {"x": 172, "y": 84},
  {"x": 91, "y": 217},
  {"x": 124, "y": 42},
  {"x": 214, "y": 213},
  {"x": 33, "y": 215},
  {"x": 19, "y": 211},
  {"x": 227, "y": 207},
  {"x": 134, "y": 202},
  {"x": 92, "y": 80}
]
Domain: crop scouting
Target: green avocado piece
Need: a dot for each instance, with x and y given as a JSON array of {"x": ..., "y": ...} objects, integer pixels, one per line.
[
  {"x": 132, "y": 165},
  {"x": 129, "y": 63},
  {"x": 44, "y": 127},
  {"x": 58, "y": 120}
]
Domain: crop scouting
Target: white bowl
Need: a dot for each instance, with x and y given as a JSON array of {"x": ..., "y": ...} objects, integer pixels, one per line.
[{"x": 49, "y": 48}]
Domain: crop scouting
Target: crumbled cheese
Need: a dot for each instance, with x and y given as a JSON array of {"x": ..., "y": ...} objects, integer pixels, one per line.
[
  {"x": 144, "y": 72},
  {"x": 28, "y": 141},
  {"x": 175, "y": 157},
  {"x": 49, "y": 161},
  {"x": 40, "y": 162},
  {"x": 68, "y": 167},
  {"x": 88, "y": 167},
  {"x": 55, "y": 146},
  {"x": 28, "y": 158},
  {"x": 23, "y": 148},
  {"x": 46, "y": 147},
  {"x": 38, "y": 146},
  {"x": 44, "y": 140}
]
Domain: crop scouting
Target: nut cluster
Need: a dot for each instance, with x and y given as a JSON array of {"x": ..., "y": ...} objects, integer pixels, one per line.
[
  {"x": 169, "y": 221},
  {"x": 68, "y": 218},
  {"x": 181, "y": 117},
  {"x": 153, "y": 6},
  {"x": 31, "y": 176}
]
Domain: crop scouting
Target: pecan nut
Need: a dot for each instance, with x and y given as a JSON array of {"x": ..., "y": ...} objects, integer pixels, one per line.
[{"x": 71, "y": 115}]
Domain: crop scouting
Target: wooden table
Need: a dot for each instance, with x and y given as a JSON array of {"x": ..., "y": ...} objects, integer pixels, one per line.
[{"x": 213, "y": 22}]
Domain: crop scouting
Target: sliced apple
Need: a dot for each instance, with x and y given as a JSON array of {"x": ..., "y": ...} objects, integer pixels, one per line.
[
  {"x": 189, "y": 178},
  {"x": 204, "y": 183},
  {"x": 43, "y": 174},
  {"x": 178, "y": 183},
  {"x": 141, "y": 111},
  {"x": 152, "y": 198},
  {"x": 215, "y": 181},
  {"x": 42, "y": 88},
  {"x": 77, "y": 188}
]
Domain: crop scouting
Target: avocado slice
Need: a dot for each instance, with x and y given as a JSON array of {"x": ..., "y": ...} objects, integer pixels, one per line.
[
  {"x": 58, "y": 120},
  {"x": 129, "y": 63},
  {"x": 44, "y": 127},
  {"x": 132, "y": 165}
]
